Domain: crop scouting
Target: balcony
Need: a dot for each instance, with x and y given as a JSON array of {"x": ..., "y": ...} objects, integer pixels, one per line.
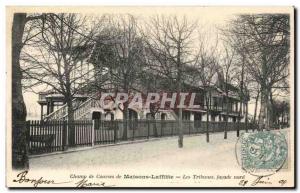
[
  {"x": 223, "y": 109},
  {"x": 42, "y": 98}
]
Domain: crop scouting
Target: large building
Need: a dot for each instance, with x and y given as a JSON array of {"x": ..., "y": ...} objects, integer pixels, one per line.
[
  {"x": 225, "y": 100},
  {"x": 87, "y": 106}
]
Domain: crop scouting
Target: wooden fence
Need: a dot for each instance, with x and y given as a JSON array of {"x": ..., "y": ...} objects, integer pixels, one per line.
[{"x": 50, "y": 136}]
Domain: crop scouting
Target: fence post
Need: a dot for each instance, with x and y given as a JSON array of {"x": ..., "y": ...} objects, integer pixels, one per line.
[
  {"x": 133, "y": 127},
  {"x": 246, "y": 126},
  {"x": 115, "y": 130},
  {"x": 189, "y": 127},
  {"x": 93, "y": 132},
  {"x": 64, "y": 136},
  {"x": 148, "y": 129},
  {"x": 161, "y": 128},
  {"x": 27, "y": 137},
  {"x": 239, "y": 126}
]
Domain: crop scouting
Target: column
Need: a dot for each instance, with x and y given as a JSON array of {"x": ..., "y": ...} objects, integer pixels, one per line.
[
  {"x": 52, "y": 107},
  {"x": 42, "y": 109},
  {"x": 47, "y": 107}
]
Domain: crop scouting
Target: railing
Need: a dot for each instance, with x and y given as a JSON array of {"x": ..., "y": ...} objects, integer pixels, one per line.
[
  {"x": 62, "y": 112},
  {"x": 58, "y": 114},
  {"x": 85, "y": 107},
  {"x": 82, "y": 109},
  {"x": 50, "y": 136},
  {"x": 223, "y": 109}
]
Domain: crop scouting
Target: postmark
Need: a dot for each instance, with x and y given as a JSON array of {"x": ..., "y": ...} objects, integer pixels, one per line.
[{"x": 263, "y": 153}]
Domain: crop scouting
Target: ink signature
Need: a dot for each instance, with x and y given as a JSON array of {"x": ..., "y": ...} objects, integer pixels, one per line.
[
  {"x": 22, "y": 178},
  {"x": 84, "y": 183}
]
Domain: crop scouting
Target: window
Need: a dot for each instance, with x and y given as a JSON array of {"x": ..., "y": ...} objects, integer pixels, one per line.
[
  {"x": 109, "y": 116},
  {"x": 163, "y": 116},
  {"x": 186, "y": 115},
  {"x": 148, "y": 116},
  {"x": 96, "y": 115}
]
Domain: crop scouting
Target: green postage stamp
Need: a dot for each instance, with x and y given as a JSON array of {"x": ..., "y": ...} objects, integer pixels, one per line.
[{"x": 263, "y": 152}]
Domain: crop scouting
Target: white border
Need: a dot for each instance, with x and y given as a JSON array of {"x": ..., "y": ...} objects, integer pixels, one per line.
[{"x": 4, "y": 3}]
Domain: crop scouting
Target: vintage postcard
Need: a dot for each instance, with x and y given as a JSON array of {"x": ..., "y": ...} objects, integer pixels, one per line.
[{"x": 111, "y": 97}]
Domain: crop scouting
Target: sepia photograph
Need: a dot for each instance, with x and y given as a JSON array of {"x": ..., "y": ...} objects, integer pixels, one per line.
[{"x": 161, "y": 97}]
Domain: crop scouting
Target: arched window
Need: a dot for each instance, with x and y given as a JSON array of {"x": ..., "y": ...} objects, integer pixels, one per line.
[
  {"x": 96, "y": 115},
  {"x": 133, "y": 114},
  {"x": 163, "y": 116},
  {"x": 109, "y": 116}
]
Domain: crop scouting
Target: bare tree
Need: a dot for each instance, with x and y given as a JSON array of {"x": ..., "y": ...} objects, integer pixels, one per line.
[
  {"x": 207, "y": 66},
  {"x": 281, "y": 113},
  {"x": 264, "y": 40},
  {"x": 152, "y": 83},
  {"x": 242, "y": 78},
  {"x": 122, "y": 56},
  {"x": 227, "y": 65},
  {"x": 53, "y": 59},
  {"x": 20, "y": 37},
  {"x": 169, "y": 40},
  {"x": 19, "y": 153},
  {"x": 246, "y": 86}
]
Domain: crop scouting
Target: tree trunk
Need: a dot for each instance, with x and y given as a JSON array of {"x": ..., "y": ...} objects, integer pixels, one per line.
[
  {"x": 207, "y": 118},
  {"x": 71, "y": 126},
  {"x": 179, "y": 85},
  {"x": 125, "y": 121},
  {"x": 227, "y": 115},
  {"x": 267, "y": 120},
  {"x": 270, "y": 110},
  {"x": 19, "y": 140},
  {"x": 155, "y": 132},
  {"x": 242, "y": 97},
  {"x": 255, "y": 108},
  {"x": 263, "y": 109},
  {"x": 240, "y": 113},
  {"x": 267, "y": 109},
  {"x": 246, "y": 117},
  {"x": 180, "y": 129}
]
